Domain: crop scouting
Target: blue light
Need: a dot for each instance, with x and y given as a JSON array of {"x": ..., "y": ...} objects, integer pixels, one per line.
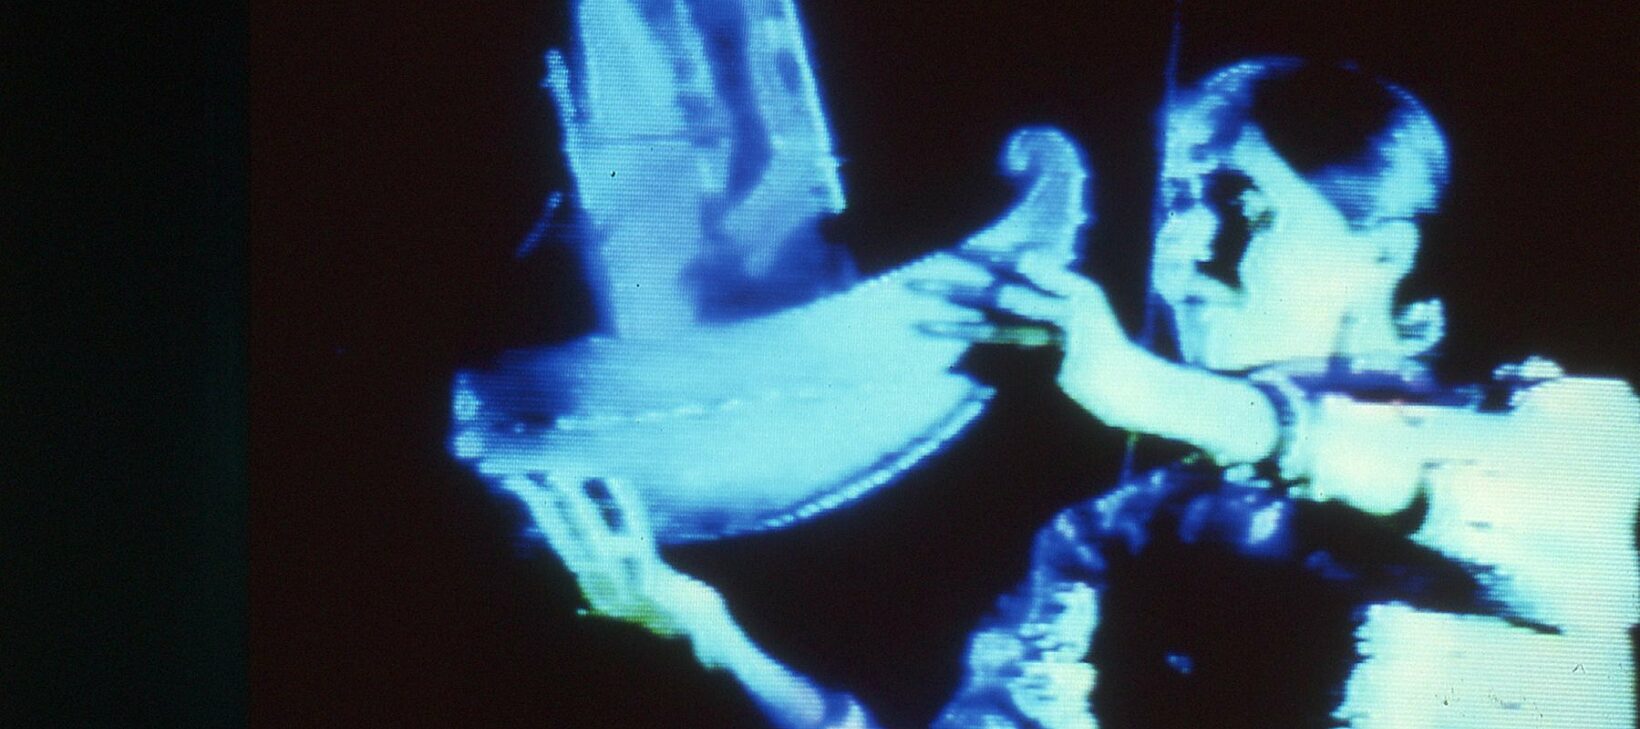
[{"x": 744, "y": 379}]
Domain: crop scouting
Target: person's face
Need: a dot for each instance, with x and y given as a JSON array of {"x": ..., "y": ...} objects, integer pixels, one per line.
[{"x": 1255, "y": 265}]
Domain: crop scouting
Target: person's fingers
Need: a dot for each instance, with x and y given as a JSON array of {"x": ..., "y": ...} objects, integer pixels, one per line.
[
  {"x": 1034, "y": 305},
  {"x": 581, "y": 513},
  {"x": 961, "y": 294},
  {"x": 941, "y": 287},
  {"x": 546, "y": 507},
  {"x": 640, "y": 555},
  {"x": 627, "y": 554},
  {"x": 1086, "y": 306},
  {"x": 597, "y": 529},
  {"x": 606, "y": 572},
  {"x": 1050, "y": 274},
  {"x": 622, "y": 562},
  {"x": 623, "y": 502},
  {"x": 1017, "y": 335}
]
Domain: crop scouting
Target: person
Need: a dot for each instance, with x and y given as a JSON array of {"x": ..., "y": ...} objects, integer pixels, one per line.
[{"x": 1478, "y": 541}]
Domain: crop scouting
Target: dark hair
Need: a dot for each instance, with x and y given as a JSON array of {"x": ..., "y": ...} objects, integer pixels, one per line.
[{"x": 1342, "y": 130}]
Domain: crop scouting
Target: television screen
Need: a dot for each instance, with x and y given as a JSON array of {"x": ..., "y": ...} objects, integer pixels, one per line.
[{"x": 769, "y": 363}]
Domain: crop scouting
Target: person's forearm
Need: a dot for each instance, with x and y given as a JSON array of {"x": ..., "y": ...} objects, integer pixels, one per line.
[
  {"x": 1226, "y": 417},
  {"x": 790, "y": 700}
]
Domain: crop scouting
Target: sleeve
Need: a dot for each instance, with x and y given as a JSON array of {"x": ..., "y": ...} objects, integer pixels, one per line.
[
  {"x": 1540, "y": 502},
  {"x": 1026, "y": 664},
  {"x": 1539, "y": 499},
  {"x": 1549, "y": 510}
]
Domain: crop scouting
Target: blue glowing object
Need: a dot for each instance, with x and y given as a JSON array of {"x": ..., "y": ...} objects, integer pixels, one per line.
[
  {"x": 1180, "y": 662},
  {"x": 744, "y": 379}
]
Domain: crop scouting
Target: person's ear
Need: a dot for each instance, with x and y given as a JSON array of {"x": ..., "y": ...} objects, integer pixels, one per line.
[
  {"x": 1420, "y": 326},
  {"x": 1394, "y": 244}
]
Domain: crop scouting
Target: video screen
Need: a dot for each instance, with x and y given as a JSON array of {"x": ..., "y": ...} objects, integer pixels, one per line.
[{"x": 1030, "y": 365}]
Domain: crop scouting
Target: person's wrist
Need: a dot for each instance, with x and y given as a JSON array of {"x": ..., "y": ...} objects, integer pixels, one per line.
[{"x": 1288, "y": 454}]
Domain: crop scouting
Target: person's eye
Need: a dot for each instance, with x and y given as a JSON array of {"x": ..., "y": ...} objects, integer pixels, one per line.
[
  {"x": 1179, "y": 198},
  {"x": 1228, "y": 194},
  {"x": 1258, "y": 211}
]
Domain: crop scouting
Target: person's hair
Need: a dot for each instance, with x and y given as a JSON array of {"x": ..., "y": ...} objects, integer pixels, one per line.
[{"x": 1344, "y": 131}]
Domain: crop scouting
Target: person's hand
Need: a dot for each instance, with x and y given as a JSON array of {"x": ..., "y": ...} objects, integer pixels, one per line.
[
  {"x": 600, "y": 532},
  {"x": 1099, "y": 357},
  {"x": 598, "y": 528},
  {"x": 1045, "y": 223},
  {"x": 1115, "y": 380}
]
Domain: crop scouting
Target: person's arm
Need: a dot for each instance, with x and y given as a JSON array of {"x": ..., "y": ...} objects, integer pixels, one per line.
[
  {"x": 599, "y": 531},
  {"x": 1126, "y": 386},
  {"x": 1539, "y": 500}
]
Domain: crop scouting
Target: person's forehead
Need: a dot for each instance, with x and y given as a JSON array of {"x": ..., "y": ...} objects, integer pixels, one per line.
[
  {"x": 1199, "y": 135},
  {"x": 1249, "y": 155}
]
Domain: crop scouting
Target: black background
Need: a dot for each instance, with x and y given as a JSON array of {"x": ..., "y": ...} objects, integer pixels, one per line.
[
  {"x": 400, "y": 151},
  {"x": 123, "y": 318}
]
